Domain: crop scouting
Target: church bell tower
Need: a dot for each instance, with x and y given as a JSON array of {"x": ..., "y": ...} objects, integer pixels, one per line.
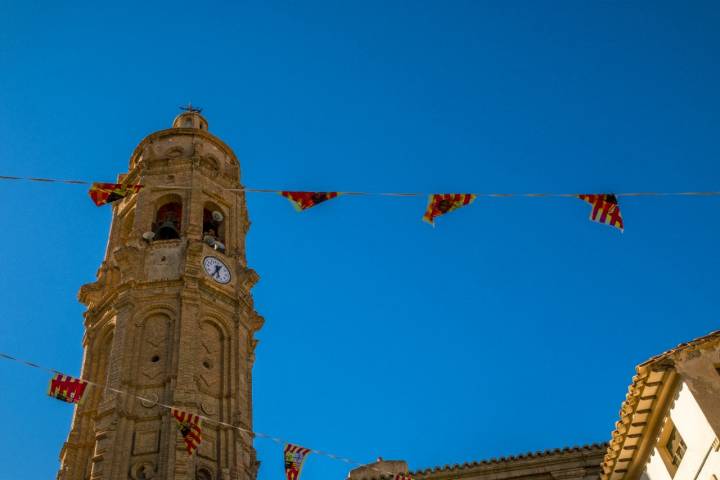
[{"x": 170, "y": 318}]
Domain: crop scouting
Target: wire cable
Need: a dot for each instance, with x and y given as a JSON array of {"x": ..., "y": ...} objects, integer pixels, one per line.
[
  {"x": 277, "y": 440},
  {"x": 390, "y": 194}
]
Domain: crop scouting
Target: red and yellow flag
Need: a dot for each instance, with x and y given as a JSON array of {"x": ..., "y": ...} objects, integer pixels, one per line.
[
  {"x": 304, "y": 200},
  {"x": 605, "y": 209},
  {"x": 103, "y": 193},
  {"x": 67, "y": 388},
  {"x": 442, "y": 203},
  {"x": 294, "y": 459},
  {"x": 189, "y": 426}
]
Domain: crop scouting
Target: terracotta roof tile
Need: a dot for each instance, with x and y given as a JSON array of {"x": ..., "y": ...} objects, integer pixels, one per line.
[{"x": 591, "y": 448}]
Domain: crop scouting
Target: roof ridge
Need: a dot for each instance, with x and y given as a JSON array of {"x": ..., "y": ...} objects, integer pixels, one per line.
[{"x": 601, "y": 446}]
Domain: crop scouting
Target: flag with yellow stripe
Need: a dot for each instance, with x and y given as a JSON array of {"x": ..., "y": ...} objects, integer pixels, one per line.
[{"x": 442, "y": 203}]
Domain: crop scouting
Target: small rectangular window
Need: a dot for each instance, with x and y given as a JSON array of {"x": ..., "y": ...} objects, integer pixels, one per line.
[
  {"x": 676, "y": 447},
  {"x": 671, "y": 446}
]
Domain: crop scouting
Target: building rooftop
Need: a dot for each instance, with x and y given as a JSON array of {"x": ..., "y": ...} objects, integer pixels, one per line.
[
  {"x": 551, "y": 454},
  {"x": 646, "y": 390},
  {"x": 567, "y": 463}
]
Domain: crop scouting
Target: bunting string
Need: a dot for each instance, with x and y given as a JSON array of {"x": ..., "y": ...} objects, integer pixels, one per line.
[
  {"x": 46, "y": 180},
  {"x": 605, "y": 206},
  {"x": 391, "y": 194},
  {"x": 277, "y": 440}
]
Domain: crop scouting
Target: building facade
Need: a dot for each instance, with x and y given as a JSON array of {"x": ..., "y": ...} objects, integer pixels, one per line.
[
  {"x": 170, "y": 318},
  {"x": 669, "y": 425}
]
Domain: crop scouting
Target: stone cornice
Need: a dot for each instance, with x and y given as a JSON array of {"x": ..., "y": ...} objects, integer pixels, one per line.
[{"x": 191, "y": 132}]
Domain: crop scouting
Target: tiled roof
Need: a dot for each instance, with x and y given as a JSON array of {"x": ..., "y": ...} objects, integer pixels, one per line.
[
  {"x": 649, "y": 378},
  {"x": 683, "y": 346},
  {"x": 591, "y": 448}
]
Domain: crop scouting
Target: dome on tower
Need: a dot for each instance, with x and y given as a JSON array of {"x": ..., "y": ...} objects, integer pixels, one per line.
[{"x": 190, "y": 118}]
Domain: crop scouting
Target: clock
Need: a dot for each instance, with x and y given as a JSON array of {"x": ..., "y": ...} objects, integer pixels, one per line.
[{"x": 217, "y": 270}]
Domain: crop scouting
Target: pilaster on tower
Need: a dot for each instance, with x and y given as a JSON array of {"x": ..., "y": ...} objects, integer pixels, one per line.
[{"x": 170, "y": 318}]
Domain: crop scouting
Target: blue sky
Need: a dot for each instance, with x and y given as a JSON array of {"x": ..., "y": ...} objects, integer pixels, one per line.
[{"x": 514, "y": 325}]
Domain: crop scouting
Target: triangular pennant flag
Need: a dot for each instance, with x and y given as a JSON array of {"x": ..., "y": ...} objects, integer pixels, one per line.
[
  {"x": 189, "y": 426},
  {"x": 605, "y": 209},
  {"x": 104, "y": 193},
  {"x": 442, "y": 203},
  {"x": 294, "y": 459},
  {"x": 304, "y": 200},
  {"x": 67, "y": 388}
]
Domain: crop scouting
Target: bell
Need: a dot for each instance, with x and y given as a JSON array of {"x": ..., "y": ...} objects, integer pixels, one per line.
[{"x": 167, "y": 231}]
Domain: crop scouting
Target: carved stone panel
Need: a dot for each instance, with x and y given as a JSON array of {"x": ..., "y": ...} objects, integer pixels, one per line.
[
  {"x": 208, "y": 447},
  {"x": 211, "y": 360},
  {"x": 154, "y": 350},
  {"x": 146, "y": 442},
  {"x": 163, "y": 263}
]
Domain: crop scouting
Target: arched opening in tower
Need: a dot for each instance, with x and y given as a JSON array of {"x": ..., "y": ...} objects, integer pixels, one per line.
[
  {"x": 214, "y": 226},
  {"x": 168, "y": 221}
]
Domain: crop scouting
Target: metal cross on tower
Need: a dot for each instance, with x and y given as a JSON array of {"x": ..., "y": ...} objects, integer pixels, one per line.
[{"x": 189, "y": 108}]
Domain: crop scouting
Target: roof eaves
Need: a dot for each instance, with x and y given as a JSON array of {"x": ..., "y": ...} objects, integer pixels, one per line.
[{"x": 650, "y": 374}]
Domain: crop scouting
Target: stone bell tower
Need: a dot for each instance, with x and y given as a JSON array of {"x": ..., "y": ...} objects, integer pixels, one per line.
[{"x": 170, "y": 318}]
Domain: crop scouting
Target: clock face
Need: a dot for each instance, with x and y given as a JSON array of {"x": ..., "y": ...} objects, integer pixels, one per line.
[{"x": 216, "y": 269}]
